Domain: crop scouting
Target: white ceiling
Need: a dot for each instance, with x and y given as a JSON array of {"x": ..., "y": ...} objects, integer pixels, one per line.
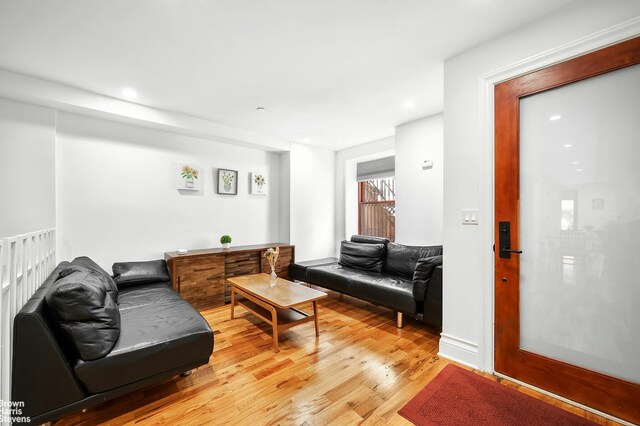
[{"x": 335, "y": 71}]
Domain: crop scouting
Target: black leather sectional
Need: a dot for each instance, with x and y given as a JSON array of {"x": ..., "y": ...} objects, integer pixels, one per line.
[
  {"x": 85, "y": 337},
  {"x": 407, "y": 279}
]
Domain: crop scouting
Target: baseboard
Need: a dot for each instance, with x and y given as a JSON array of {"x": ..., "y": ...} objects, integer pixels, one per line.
[{"x": 459, "y": 350}]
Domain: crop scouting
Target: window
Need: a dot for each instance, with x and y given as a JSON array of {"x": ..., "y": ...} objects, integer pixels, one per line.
[
  {"x": 377, "y": 208},
  {"x": 566, "y": 221}
]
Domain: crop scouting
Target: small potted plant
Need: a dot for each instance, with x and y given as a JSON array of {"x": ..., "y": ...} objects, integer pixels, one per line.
[{"x": 225, "y": 240}]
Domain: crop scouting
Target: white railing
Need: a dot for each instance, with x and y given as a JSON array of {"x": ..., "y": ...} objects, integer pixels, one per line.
[{"x": 25, "y": 262}]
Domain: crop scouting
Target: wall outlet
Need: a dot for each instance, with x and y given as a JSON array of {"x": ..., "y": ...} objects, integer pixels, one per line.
[{"x": 469, "y": 216}]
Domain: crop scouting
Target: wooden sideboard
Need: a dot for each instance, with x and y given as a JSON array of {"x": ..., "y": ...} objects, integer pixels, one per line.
[{"x": 200, "y": 276}]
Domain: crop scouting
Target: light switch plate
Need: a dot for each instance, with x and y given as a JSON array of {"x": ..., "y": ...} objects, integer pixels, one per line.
[{"x": 469, "y": 216}]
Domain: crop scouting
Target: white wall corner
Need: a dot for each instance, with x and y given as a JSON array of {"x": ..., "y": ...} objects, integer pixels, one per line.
[{"x": 459, "y": 350}]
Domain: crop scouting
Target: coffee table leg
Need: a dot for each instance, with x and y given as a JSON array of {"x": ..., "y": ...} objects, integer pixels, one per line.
[
  {"x": 233, "y": 300},
  {"x": 274, "y": 324},
  {"x": 315, "y": 315}
]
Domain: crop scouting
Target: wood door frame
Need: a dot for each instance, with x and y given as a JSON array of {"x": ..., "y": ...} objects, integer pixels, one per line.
[
  {"x": 615, "y": 396},
  {"x": 480, "y": 354}
]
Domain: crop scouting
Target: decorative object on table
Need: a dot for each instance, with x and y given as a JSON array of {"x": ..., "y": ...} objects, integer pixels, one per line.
[
  {"x": 227, "y": 182},
  {"x": 272, "y": 257},
  {"x": 225, "y": 240},
  {"x": 189, "y": 177},
  {"x": 259, "y": 185},
  {"x": 183, "y": 251}
]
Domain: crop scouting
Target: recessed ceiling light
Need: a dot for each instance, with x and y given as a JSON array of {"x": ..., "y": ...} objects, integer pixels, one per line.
[
  {"x": 578, "y": 170},
  {"x": 409, "y": 104},
  {"x": 555, "y": 117},
  {"x": 260, "y": 109},
  {"x": 567, "y": 145},
  {"x": 129, "y": 92},
  {"x": 575, "y": 162}
]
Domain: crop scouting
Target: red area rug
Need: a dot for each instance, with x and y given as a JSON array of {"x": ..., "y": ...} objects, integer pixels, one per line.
[{"x": 459, "y": 397}]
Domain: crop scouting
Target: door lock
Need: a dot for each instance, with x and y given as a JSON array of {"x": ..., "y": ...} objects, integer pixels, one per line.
[{"x": 505, "y": 241}]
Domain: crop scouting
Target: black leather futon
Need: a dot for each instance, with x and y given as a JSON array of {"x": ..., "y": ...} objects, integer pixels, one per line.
[{"x": 85, "y": 337}]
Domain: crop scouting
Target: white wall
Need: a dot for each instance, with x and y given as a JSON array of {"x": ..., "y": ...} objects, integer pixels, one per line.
[
  {"x": 284, "y": 196},
  {"x": 346, "y": 188},
  {"x": 312, "y": 201},
  {"x": 466, "y": 333},
  {"x": 418, "y": 191},
  {"x": 27, "y": 179},
  {"x": 117, "y": 196}
]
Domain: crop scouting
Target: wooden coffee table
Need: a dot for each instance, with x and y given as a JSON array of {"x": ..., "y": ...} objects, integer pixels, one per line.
[{"x": 275, "y": 305}]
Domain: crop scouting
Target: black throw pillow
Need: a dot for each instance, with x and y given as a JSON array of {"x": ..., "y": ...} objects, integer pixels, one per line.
[
  {"x": 89, "y": 264},
  {"x": 84, "y": 311},
  {"x": 422, "y": 275},
  {"x": 366, "y": 239},
  {"x": 401, "y": 260},
  {"x": 134, "y": 273},
  {"x": 362, "y": 256}
]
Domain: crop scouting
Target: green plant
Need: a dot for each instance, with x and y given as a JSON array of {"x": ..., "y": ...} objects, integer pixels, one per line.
[{"x": 225, "y": 239}]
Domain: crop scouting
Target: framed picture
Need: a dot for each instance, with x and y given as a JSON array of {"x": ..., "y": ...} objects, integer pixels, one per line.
[
  {"x": 259, "y": 183},
  {"x": 189, "y": 177},
  {"x": 227, "y": 182}
]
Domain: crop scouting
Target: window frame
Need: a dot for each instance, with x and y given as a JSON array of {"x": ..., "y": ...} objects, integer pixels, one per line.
[{"x": 362, "y": 201}]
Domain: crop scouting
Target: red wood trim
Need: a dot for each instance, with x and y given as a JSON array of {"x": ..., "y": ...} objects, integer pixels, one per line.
[{"x": 617, "y": 397}]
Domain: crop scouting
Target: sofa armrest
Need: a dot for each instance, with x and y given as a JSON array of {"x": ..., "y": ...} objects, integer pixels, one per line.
[
  {"x": 432, "y": 306},
  {"x": 423, "y": 275},
  {"x": 434, "y": 291},
  {"x": 127, "y": 274}
]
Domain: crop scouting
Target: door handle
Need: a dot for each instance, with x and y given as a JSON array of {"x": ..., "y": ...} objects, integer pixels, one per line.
[
  {"x": 505, "y": 240},
  {"x": 511, "y": 251}
]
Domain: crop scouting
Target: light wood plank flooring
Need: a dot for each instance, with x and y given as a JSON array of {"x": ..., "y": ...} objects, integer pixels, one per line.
[{"x": 361, "y": 370}]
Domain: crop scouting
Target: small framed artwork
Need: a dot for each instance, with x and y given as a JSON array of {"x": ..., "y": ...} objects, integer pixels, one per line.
[
  {"x": 259, "y": 183},
  {"x": 189, "y": 177},
  {"x": 227, "y": 182}
]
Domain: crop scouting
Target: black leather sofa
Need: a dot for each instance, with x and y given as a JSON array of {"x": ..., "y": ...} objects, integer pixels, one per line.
[
  {"x": 407, "y": 279},
  {"x": 85, "y": 337}
]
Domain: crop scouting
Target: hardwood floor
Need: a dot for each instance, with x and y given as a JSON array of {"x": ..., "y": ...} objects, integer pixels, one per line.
[{"x": 361, "y": 370}]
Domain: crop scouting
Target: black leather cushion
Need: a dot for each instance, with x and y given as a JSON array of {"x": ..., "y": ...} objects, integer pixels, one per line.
[
  {"x": 84, "y": 310},
  {"x": 135, "y": 273},
  {"x": 401, "y": 260},
  {"x": 160, "y": 331},
  {"x": 362, "y": 256},
  {"x": 366, "y": 239},
  {"x": 391, "y": 292},
  {"x": 332, "y": 276},
  {"x": 422, "y": 275},
  {"x": 89, "y": 264},
  {"x": 298, "y": 270}
]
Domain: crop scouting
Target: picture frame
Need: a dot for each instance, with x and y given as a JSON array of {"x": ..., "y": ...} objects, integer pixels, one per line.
[
  {"x": 227, "y": 182},
  {"x": 189, "y": 177},
  {"x": 259, "y": 183}
]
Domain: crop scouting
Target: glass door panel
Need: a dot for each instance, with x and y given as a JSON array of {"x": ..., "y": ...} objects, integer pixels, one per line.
[{"x": 580, "y": 223}]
